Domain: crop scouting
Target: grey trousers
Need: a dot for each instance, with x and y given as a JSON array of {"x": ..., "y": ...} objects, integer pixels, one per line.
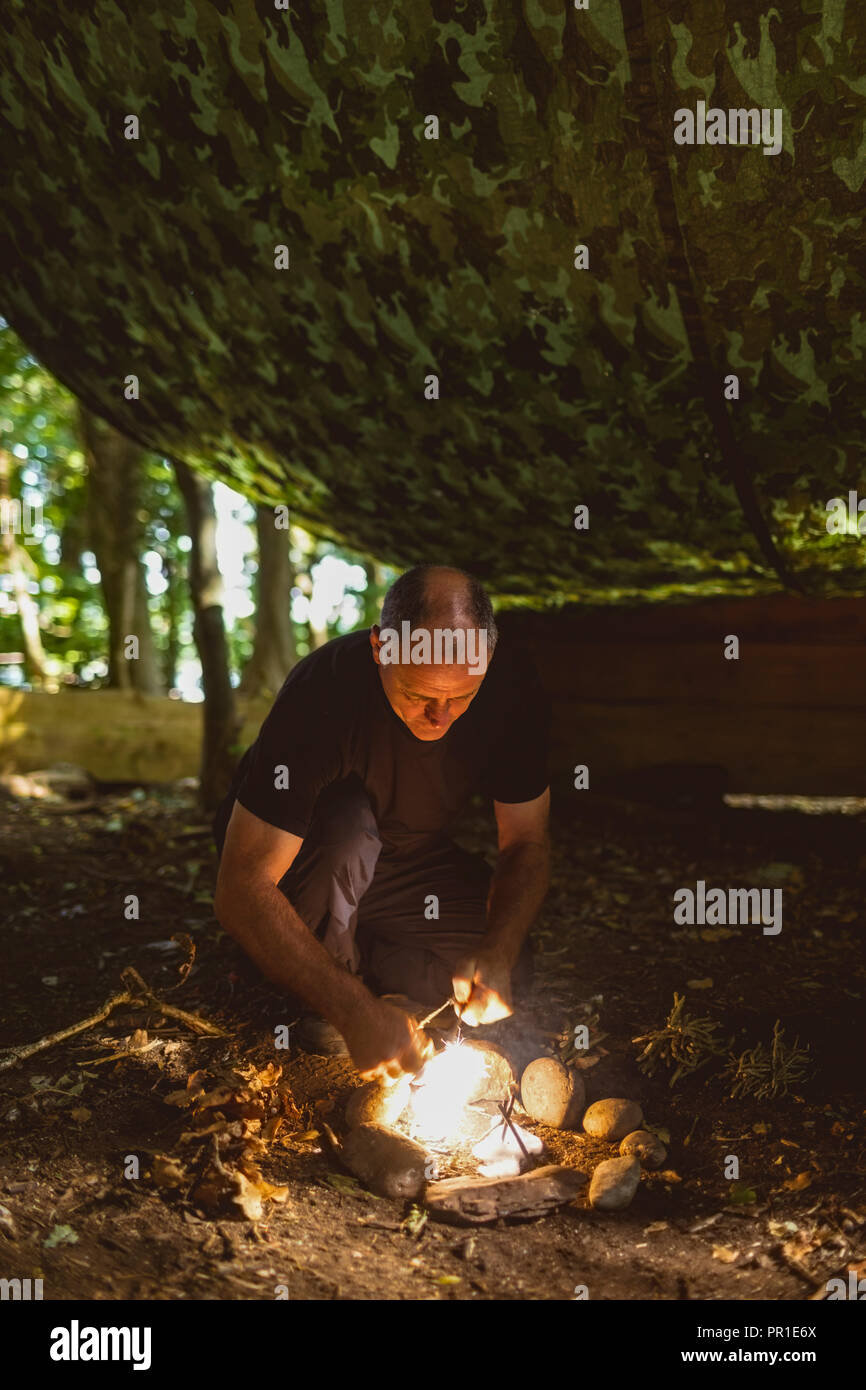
[{"x": 401, "y": 922}]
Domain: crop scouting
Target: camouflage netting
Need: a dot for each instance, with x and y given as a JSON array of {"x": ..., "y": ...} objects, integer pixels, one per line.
[{"x": 455, "y": 256}]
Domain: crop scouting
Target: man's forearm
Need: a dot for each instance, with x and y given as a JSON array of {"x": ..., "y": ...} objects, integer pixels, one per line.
[
  {"x": 520, "y": 883},
  {"x": 269, "y": 929}
]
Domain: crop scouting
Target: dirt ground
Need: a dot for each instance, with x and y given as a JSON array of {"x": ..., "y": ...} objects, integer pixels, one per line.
[{"x": 294, "y": 1224}]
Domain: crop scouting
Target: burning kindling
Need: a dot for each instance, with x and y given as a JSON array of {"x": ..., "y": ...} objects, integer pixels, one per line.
[{"x": 442, "y": 1092}]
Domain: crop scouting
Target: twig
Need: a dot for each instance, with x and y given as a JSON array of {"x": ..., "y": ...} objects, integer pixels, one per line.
[
  {"x": 442, "y": 1007},
  {"x": 506, "y": 1115},
  {"x": 136, "y": 993},
  {"x": 199, "y": 1025},
  {"x": 20, "y": 1054}
]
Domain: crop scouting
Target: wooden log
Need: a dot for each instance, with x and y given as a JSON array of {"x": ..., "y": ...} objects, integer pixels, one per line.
[
  {"x": 478, "y": 1201},
  {"x": 647, "y": 690}
]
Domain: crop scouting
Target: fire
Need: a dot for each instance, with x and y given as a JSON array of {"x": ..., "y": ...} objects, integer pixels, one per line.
[{"x": 442, "y": 1090}]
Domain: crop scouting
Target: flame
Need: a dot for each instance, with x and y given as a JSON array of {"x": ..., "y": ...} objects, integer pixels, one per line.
[{"x": 442, "y": 1090}]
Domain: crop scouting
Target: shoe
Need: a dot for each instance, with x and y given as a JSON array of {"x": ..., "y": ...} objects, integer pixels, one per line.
[{"x": 316, "y": 1035}]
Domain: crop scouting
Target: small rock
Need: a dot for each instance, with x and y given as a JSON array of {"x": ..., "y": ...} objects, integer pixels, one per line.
[
  {"x": 7, "y": 1223},
  {"x": 552, "y": 1093},
  {"x": 497, "y": 1079},
  {"x": 645, "y": 1146},
  {"x": 612, "y": 1119},
  {"x": 614, "y": 1184},
  {"x": 378, "y": 1104},
  {"x": 388, "y": 1163}
]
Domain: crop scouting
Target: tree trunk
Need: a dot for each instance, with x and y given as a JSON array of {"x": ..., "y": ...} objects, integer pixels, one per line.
[
  {"x": 114, "y": 468},
  {"x": 273, "y": 654},
  {"x": 18, "y": 562},
  {"x": 145, "y": 672},
  {"x": 173, "y": 609},
  {"x": 222, "y": 723}
]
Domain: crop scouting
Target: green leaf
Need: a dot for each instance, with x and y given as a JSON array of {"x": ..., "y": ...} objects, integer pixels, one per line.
[{"x": 342, "y": 1183}]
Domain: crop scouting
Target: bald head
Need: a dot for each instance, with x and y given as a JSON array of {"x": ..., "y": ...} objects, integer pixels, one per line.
[
  {"x": 438, "y": 596},
  {"x": 433, "y": 647}
]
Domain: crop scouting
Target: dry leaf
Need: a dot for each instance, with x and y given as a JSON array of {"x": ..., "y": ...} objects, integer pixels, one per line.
[
  {"x": 783, "y": 1228},
  {"x": 80, "y": 1114},
  {"x": 220, "y": 1096},
  {"x": 247, "y": 1196},
  {"x": 725, "y": 1254},
  {"x": 190, "y": 1135},
  {"x": 167, "y": 1171},
  {"x": 799, "y": 1182},
  {"x": 181, "y": 1099},
  {"x": 656, "y": 1227},
  {"x": 700, "y": 984}
]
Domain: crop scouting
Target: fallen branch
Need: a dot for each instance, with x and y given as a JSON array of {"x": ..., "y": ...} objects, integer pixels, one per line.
[{"x": 136, "y": 993}]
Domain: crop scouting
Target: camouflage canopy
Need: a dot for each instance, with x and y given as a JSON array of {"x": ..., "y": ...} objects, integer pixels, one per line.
[{"x": 431, "y": 169}]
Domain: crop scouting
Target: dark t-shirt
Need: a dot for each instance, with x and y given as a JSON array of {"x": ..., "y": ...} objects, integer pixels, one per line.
[{"x": 332, "y": 719}]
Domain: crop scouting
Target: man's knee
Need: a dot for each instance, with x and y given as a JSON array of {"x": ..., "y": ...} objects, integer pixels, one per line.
[
  {"x": 337, "y": 860},
  {"x": 343, "y": 819}
]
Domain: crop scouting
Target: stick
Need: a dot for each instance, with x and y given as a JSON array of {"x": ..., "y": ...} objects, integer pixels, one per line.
[
  {"x": 442, "y": 1007},
  {"x": 20, "y": 1054},
  {"x": 195, "y": 1022},
  {"x": 506, "y": 1115},
  {"x": 138, "y": 993}
]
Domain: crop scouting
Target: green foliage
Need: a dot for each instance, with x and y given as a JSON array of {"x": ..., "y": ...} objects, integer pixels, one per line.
[
  {"x": 455, "y": 256},
  {"x": 39, "y": 429}
]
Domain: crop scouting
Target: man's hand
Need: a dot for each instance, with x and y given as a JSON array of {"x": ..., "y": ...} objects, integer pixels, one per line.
[
  {"x": 482, "y": 985},
  {"x": 384, "y": 1041}
]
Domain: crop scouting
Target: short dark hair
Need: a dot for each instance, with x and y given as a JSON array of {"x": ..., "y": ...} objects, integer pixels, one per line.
[{"x": 406, "y": 601}]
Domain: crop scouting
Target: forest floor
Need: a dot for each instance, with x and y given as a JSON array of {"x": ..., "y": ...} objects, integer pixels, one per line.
[{"x": 76, "y": 1116}]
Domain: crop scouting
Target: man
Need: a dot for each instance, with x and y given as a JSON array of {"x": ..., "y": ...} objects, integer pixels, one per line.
[{"x": 335, "y": 865}]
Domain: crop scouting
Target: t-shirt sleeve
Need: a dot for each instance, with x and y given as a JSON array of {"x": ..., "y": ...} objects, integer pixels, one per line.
[
  {"x": 518, "y": 770},
  {"x": 294, "y": 758}
]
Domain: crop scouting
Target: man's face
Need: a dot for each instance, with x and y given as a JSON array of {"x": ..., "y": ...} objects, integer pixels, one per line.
[{"x": 429, "y": 697}]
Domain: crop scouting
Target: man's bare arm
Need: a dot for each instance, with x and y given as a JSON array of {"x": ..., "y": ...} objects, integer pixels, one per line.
[
  {"x": 517, "y": 891},
  {"x": 253, "y": 910}
]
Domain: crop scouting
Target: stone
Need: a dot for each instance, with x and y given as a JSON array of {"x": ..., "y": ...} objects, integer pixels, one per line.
[
  {"x": 645, "y": 1146},
  {"x": 477, "y": 1201},
  {"x": 612, "y": 1119},
  {"x": 386, "y": 1162},
  {"x": 376, "y": 1103},
  {"x": 497, "y": 1080},
  {"x": 614, "y": 1184},
  {"x": 552, "y": 1093}
]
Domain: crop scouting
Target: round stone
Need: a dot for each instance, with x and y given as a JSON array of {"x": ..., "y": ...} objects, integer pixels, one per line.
[
  {"x": 612, "y": 1119},
  {"x": 378, "y": 1104},
  {"x": 614, "y": 1184},
  {"x": 496, "y": 1078},
  {"x": 387, "y": 1162},
  {"x": 552, "y": 1093},
  {"x": 645, "y": 1146}
]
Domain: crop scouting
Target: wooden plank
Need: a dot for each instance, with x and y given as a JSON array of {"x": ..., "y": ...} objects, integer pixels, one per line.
[{"x": 790, "y": 676}]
